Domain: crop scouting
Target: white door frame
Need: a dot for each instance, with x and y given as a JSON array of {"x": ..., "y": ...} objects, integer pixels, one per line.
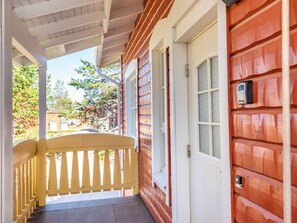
[
  {"x": 183, "y": 36},
  {"x": 6, "y": 160},
  {"x": 186, "y": 19}
]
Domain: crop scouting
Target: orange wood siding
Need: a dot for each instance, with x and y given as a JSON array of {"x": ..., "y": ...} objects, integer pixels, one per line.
[
  {"x": 138, "y": 47},
  {"x": 254, "y": 43}
]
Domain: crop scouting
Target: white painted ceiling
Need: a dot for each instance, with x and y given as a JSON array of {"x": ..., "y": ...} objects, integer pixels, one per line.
[{"x": 63, "y": 27}]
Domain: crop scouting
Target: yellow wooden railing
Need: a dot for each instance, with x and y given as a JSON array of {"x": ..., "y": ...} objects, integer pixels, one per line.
[
  {"x": 100, "y": 157},
  {"x": 25, "y": 178},
  {"x": 109, "y": 162}
]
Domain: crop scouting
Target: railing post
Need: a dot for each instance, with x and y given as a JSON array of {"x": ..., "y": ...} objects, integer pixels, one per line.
[{"x": 41, "y": 175}]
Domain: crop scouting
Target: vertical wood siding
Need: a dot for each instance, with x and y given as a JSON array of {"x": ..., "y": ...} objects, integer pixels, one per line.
[
  {"x": 255, "y": 54},
  {"x": 138, "y": 47}
]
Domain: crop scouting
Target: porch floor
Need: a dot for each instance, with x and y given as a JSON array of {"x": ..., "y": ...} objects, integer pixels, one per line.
[{"x": 114, "y": 210}]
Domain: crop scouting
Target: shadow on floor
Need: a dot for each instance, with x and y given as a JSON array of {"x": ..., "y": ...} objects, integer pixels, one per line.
[{"x": 114, "y": 210}]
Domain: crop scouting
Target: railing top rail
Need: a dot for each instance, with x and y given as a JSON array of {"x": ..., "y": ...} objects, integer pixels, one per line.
[
  {"x": 99, "y": 141},
  {"x": 23, "y": 151}
]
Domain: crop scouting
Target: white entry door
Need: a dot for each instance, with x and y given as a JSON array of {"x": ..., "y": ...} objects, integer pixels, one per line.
[{"x": 204, "y": 128}]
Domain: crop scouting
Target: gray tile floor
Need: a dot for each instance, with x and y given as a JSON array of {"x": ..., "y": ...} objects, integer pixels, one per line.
[{"x": 113, "y": 210}]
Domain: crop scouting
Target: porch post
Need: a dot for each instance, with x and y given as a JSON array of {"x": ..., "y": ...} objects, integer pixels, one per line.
[
  {"x": 42, "y": 102},
  {"x": 6, "y": 159}
]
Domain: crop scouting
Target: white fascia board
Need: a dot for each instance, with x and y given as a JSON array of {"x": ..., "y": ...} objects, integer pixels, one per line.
[
  {"x": 53, "y": 53},
  {"x": 125, "y": 12},
  {"x": 73, "y": 37},
  {"x": 49, "y": 7},
  {"x": 25, "y": 43},
  {"x": 65, "y": 24},
  {"x": 116, "y": 32}
]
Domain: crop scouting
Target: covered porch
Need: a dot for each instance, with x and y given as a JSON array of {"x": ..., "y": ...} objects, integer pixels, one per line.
[
  {"x": 77, "y": 164},
  {"x": 115, "y": 210},
  {"x": 33, "y": 32}
]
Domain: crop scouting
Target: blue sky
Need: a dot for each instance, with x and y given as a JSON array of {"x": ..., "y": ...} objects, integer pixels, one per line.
[{"x": 62, "y": 69}]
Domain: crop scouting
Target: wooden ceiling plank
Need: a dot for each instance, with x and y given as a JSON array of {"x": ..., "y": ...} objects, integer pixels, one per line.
[
  {"x": 67, "y": 24},
  {"x": 72, "y": 37},
  {"x": 126, "y": 11},
  {"x": 119, "y": 31},
  {"x": 115, "y": 43},
  {"x": 48, "y": 7},
  {"x": 74, "y": 47}
]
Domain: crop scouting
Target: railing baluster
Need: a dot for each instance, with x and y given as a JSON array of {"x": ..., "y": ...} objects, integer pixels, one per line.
[
  {"x": 116, "y": 171},
  {"x": 86, "y": 173},
  {"x": 127, "y": 167},
  {"x": 32, "y": 177},
  {"x": 28, "y": 181},
  {"x": 24, "y": 198},
  {"x": 75, "y": 174},
  {"x": 106, "y": 175},
  {"x": 52, "y": 180},
  {"x": 96, "y": 172},
  {"x": 20, "y": 189},
  {"x": 64, "y": 187},
  {"x": 23, "y": 187},
  {"x": 15, "y": 198}
]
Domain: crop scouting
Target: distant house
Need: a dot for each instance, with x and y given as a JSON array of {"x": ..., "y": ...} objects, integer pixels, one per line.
[{"x": 55, "y": 122}]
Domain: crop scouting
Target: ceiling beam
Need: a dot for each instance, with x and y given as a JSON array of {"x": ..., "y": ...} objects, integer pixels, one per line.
[
  {"x": 65, "y": 24},
  {"x": 112, "y": 33},
  {"x": 73, "y": 37},
  {"x": 115, "y": 43},
  {"x": 21, "y": 61},
  {"x": 125, "y": 12},
  {"x": 26, "y": 44},
  {"x": 74, "y": 47},
  {"x": 113, "y": 51},
  {"x": 16, "y": 53},
  {"x": 110, "y": 60},
  {"x": 56, "y": 52},
  {"x": 48, "y": 7},
  {"x": 98, "y": 55},
  {"x": 107, "y": 8}
]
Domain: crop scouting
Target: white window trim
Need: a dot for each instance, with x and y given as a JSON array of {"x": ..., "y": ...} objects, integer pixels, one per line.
[
  {"x": 159, "y": 172},
  {"x": 131, "y": 74}
]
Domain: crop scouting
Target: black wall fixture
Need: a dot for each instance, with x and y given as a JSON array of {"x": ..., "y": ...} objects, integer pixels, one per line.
[{"x": 230, "y": 2}]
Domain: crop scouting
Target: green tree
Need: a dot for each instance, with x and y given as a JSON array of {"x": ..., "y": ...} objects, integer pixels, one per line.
[
  {"x": 59, "y": 101},
  {"x": 100, "y": 96},
  {"x": 49, "y": 93},
  {"x": 25, "y": 102}
]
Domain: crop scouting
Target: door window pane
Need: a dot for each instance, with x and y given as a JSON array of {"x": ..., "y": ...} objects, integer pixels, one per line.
[
  {"x": 216, "y": 141},
  {"x": 214, "y": 72},
  {"x": 215, "y": 107},
  {"x": 202, "y": 77},
  {"x": 203, "y": 107},
  {"x": 204, "y": 138}
]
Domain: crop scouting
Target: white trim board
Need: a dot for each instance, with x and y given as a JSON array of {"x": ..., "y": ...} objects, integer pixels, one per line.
[
  {"x": 130, "y": 74},
  {"x": 6, "y": 156}
]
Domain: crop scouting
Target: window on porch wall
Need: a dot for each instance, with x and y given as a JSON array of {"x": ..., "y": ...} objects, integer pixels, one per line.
[
  {"x": 160, "y": 121},
  {"x": 131, "y": 106}
]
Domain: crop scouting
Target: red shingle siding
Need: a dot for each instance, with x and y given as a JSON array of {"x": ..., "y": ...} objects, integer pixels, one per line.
[
  {"x": 138, "y": 47},
  {"x": 256, "y": 129}
]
